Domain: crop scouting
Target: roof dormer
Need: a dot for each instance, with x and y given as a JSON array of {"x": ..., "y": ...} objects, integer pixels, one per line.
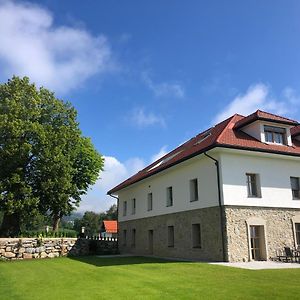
[
  {"x": 295, "y": 132},
  {"x": 267, "y": 128}
]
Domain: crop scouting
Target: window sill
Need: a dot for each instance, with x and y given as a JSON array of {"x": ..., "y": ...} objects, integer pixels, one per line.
[
  {"x": 277, "y": 144},
  {"x": 194, "y": 200},
  {"x": 197, "y": 247},
  {"x": 169, "y": 205},
  {"x": 259, "y": 197},
  {"x": 296, "y": 199}
]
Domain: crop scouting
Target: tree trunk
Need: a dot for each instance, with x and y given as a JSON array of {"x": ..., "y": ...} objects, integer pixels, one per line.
[
  {"x": 56, "y": 220},
  {"x": 11, "y": 225}
]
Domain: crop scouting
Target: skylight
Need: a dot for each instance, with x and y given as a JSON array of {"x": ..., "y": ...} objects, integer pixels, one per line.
[
  {"x": 202, "y": 138},
  {"x": 163, "y": 161}
]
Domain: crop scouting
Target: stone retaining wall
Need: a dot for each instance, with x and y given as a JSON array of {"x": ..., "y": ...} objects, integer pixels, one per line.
[{"x": 29, "y": 248}]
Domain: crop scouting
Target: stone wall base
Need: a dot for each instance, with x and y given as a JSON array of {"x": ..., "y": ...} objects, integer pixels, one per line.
[
  {"x": 208, "y": 218},
  {"x": 278, "y": 230}
]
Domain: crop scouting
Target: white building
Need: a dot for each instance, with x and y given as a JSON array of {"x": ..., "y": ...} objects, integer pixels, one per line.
[{"x": 231, "y": 193}]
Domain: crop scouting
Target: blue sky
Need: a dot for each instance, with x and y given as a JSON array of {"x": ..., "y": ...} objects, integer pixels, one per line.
[{"x": 147, "y": 75}]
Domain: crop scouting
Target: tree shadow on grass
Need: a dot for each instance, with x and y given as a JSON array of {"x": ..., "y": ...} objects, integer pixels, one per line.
[{"x": 120, "y": 260}]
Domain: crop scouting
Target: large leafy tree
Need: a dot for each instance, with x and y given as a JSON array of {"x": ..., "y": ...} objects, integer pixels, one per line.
[
  {"x": 46, "y": 164},
  {"x": 90, "y": 221}
]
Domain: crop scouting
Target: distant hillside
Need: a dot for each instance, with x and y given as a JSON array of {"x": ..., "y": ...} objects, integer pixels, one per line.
[{"x": 72, "y": 217}]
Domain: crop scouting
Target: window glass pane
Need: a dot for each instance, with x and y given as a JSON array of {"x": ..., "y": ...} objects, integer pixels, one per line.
[
  {"x": 253, "y": 188},
  {"x": 170, "y": 236},
  {"x": 269, "y": 137},
  {"x": 295, "y": 183},
  {"x": 193, "y": 190},
  {"x": 297, "y": 227},
  {"x": 169, "y": 196},
  {"x": 196, "y": 235},
  {"x": 149, "y": 201},
  {"x": 124, "y": 237},
  {"x": 252, "y": 185},
  {"x": 278, "y": 138},
  {"x": 295, "y": 186},
  {"x": 133, "y": 238},
  {"x": 133, "y": 206},
  {"x": 125, "y": 208},
  {"x": 275, "y": 134}
]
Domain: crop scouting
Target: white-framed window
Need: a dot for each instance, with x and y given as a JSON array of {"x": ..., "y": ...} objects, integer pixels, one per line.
[
  {"x": 196, "y": 235},
  {"x": 170, "y": 236},
  {"x": 169, "y": 196},
  {"x": 149, "y": 201},
  {"x": 253, "y": 185},
  {"x": 275, "y": 135},
  {"x": 295, "y": 186},
  {"x": 133, "y": 206},
  {"x": 124, "y": 208},
  {"x": 194, "y": 190},
  {"x": 133, "y": 237}
]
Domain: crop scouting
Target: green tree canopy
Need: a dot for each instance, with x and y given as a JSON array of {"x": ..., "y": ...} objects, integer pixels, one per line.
[
  {"x": 93, "y": 221},
  {"x": 112, "y": 213},
  {"x": 46, "y": 165}
]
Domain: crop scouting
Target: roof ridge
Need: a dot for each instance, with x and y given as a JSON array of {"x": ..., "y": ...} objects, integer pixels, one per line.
[
  {"x": 226, "y": 127},
  {"x": 275, "y": 115}
]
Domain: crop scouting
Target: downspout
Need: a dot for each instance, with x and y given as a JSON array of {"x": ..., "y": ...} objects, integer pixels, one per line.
[
  {"x": 116, "y": 197},
  {"x": 222, "y": 222}
]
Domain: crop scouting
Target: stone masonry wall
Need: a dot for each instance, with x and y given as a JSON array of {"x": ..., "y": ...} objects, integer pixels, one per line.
[
  {"x": 29, "y": 248},
  {"x": 279, "y": 230},
  {"x": 208, "y": 218}
]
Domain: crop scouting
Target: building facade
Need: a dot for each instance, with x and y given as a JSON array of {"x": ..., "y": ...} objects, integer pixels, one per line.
[{"x": 231, "y": 193}]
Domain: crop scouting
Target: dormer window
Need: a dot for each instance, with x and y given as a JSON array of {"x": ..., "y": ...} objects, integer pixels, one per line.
[{"x": 276, "y": 135}]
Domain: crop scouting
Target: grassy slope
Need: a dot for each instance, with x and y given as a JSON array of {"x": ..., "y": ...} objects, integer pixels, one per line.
[{"x": 137, "y": 277}]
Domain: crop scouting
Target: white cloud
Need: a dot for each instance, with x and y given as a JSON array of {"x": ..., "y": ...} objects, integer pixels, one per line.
[
  {"x": 259, "y": 96},
  {"x": 142, "y": 119},
  {"x": 114, "y": 173},
  {"x": 162, "y": 152},
  {"x": 291, "y": 96},
  {"x": 58, "y": 57},
  {"x": 164, "y": 89}
]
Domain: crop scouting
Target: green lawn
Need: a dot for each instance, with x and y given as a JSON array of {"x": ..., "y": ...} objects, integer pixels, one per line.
[{"x": 141, "y": 278}]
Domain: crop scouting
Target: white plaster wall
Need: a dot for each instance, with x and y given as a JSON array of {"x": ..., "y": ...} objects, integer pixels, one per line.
[
  {"x": 254, "y": 129},
  {"x": 179, "y": 178},
  {"x": 274, "y": 171}
]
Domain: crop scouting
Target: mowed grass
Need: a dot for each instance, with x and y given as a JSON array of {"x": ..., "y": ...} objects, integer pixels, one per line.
[{"x": 141, "y": 278}]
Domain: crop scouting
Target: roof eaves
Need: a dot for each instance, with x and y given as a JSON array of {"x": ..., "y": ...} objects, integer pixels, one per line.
[
  {"x": 237, "y": 147},
  {"x": 120, "y": 187},
  {"x": 258, "y": 118}
]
